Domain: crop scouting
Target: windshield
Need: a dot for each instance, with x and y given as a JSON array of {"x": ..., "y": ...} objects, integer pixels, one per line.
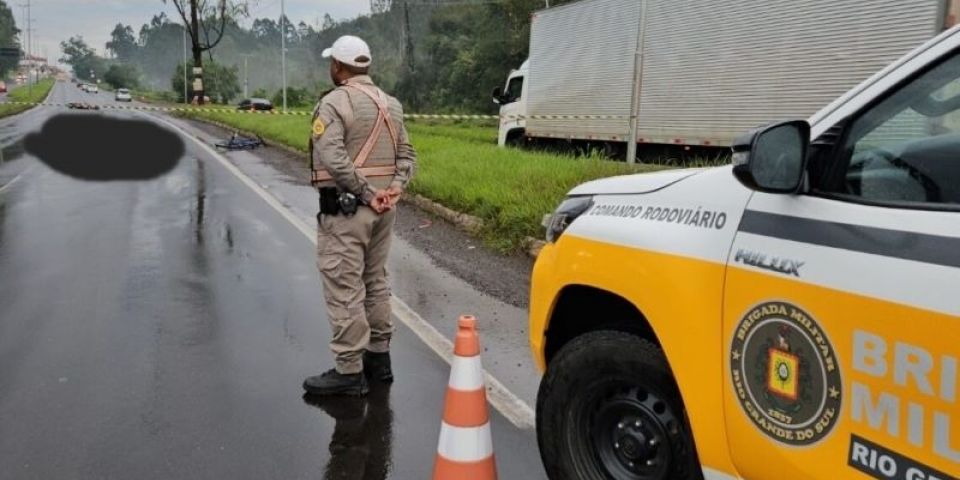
[{"x": 514, "y": 89}]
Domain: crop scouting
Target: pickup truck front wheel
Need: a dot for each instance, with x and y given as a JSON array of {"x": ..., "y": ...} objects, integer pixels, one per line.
[{"x": 608, "y": 408}]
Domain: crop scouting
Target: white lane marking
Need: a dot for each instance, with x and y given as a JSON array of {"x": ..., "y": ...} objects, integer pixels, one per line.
[
  {"x": 506, "y": 402},
  {"x": 465, "y": 444},
  {"x": 11, "y": 182}
]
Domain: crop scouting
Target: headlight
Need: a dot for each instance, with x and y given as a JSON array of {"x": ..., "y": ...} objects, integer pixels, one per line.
[{"x": 566, "y": 213}]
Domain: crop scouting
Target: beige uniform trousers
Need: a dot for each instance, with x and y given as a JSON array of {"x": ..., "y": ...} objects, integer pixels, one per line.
[{"x": 352, "y": 258}]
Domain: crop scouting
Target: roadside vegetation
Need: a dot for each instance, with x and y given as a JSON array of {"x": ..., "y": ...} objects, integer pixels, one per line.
[
  {"x": 462, "y": 168},
  {"x": 443, "y": 56},
  {"x": 36, "y": 94},
  {"x": 509, "y": 189}
]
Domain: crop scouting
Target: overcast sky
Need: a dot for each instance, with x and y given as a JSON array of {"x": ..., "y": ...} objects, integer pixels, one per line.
[{"x": 57, "y": 20}]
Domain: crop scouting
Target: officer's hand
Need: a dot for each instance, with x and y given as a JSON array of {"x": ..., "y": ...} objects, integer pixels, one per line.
[
  {"x": 378, "y": 205},
  {"x": 381, "y": 201},
  {"x": 394, "y": 193}
]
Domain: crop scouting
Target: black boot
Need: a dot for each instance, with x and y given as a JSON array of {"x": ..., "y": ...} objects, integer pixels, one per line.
[
  {"x": 376, "y": 366},
  {"x": 333, "y": 383}
]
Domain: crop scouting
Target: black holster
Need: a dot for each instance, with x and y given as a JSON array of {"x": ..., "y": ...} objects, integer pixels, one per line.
[
  {"x": 329, "y": 204},
  {"x": 336, "y": 202}
]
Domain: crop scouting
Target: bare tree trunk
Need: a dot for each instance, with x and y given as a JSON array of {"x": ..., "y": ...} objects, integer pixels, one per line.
[
  {"x": 194, "y": 23},
  {"x": 197, "y": 53}
]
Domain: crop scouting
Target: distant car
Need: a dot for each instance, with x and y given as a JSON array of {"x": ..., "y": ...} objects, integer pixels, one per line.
[
  {"x": 93, "y": 89},
  {"x": 252, "y": 104},
  {"x": 3, "y": 87},
  {"x": 123, "y": 95}
]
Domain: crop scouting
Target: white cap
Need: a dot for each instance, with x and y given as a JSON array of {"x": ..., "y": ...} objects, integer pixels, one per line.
[{"x": 350, "y": 50}]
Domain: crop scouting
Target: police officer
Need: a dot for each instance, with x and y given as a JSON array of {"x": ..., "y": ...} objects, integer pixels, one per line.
[{"x": 361, "y": 160}]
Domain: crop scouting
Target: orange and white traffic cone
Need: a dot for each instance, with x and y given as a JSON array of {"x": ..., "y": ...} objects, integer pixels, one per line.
[{"x": 465, "y": 451}]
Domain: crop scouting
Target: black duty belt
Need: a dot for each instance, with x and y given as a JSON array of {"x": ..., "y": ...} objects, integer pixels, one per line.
[{"x": 337, "y": 202}]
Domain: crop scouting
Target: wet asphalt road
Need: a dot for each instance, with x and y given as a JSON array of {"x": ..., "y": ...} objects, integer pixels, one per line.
[{"x": 162, "y": 328}]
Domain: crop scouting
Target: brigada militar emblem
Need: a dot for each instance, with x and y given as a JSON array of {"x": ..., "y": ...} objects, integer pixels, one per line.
[
  {"x": 785, "y": 374},
  {"x": 318, "y": 127}
]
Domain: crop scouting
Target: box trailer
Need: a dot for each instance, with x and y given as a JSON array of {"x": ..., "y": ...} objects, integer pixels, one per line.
[{"x": 697, "y": 73}]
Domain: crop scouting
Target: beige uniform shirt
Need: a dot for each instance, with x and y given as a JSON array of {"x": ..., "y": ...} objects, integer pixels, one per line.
[{"x": 342, "y": 122}]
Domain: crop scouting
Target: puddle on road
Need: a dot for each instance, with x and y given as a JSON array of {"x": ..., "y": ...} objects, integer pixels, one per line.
[
  {"x": 362, "y": 442},
  {"x": 100, "y": 148}
]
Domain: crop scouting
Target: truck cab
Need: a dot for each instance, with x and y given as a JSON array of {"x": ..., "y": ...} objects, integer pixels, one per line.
[
  {"x": 793, "y": 315},
  {"x": 513, "y": 106}
]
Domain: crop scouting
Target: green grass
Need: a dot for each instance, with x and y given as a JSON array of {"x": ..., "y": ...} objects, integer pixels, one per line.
[
  {"x": 469, "y": 130},
  {"x": 461, "y": 167},
  {"x": 509, "y": 189},
  {"x": 152, "y": 96},
  {"x": 34, "y": 94},
  {"x": 290, "y": 130}
]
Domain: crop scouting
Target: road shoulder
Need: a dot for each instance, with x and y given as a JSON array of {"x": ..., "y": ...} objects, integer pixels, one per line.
[{"x": 437, "y": 294}]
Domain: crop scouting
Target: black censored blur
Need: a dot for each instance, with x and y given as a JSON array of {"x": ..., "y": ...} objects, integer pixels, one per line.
[{"x": 100, "y": 148}]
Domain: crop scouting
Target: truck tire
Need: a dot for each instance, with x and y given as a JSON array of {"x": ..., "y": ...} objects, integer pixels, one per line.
[
  {"x": 608, "y": 408},
  {"x": 516, "y": 138}
]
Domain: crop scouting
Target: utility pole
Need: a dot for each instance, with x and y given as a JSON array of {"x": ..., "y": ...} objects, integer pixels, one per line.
[
  {"x": 28, "y": 47},
  {"x": 24, "y": 46},
  {"x": 186, "y": 95},
  {"x": 637, "y": 84},
  {"x": 36, "y": 41},
  {"x": 29, "y": 50},
  {"x": 246, "y": 74},
  {"x": 283, "y": 51}
]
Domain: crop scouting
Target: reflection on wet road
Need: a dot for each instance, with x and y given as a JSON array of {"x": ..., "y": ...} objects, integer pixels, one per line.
[
  {"x": 360, "y": 447},
  {"x": 161, "y": 329}
]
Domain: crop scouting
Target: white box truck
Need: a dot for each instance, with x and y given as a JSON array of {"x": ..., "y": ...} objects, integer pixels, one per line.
[{"x": 694, "y": 74}]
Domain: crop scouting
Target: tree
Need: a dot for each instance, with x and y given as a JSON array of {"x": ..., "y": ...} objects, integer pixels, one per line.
[
  {"x": 304, "y": 30},
  {"x": 328, "y": 22},
  {"x": 223, "y": 83},
  {"x": 292, "y": 35},
  {"x": 86, "y": 64},
  {"x": 468, "y": 46},
  {"x": 122, "y": 42},
  {"x": 8, "y": 38},
  {"x": 206, "y": 22},
  {"x": 123, "y": 76},
  {"x": 266, "y": 29},
  {"x": 296, "y": 97},
  {"x": 160, "y": 50},
  {"x": 434, "y": 55}
]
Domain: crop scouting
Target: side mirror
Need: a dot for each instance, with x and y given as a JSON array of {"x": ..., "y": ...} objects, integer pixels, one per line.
[
  {"x": 773, "y": 158},
  {"x": 498, "y": 95}
]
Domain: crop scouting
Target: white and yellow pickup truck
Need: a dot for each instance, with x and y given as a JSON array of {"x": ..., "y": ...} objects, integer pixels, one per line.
[{"x": 793, "y": 316}]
